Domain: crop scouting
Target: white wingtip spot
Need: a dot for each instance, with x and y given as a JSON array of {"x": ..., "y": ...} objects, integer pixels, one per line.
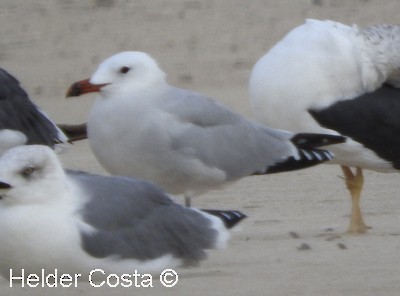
[
  {"x": 317, "y": 155},
  {"x": 329, "y": 155},
  {"x": 307, "y": 155}
]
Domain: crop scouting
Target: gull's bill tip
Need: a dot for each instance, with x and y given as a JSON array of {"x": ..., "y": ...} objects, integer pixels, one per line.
[
  {"x": 83, "y": 87},
  {"x": 4, "y": 188}
]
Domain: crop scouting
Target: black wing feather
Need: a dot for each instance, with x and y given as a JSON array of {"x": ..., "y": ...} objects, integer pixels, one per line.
[
  {"x": 18, "y": 112},
  {"x": 372, "y": 119}
]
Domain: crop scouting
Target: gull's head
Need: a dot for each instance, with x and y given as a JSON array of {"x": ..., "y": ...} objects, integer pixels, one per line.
[
  {"x": 121, "y": 74},
  {"x": 30, "y": 174}
]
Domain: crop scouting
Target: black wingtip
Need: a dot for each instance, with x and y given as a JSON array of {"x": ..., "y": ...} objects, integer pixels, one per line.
[
  {"x": 308, "y": 153},
  {"x": 74, "y": 132},
  {"x": 310, "y": 140},
  {"x": 230, "y": 218},
  {"x": 305, "y": 159}
]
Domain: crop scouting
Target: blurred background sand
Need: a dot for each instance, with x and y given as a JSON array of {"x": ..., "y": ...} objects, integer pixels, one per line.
[{"x": 210, "y": 46}]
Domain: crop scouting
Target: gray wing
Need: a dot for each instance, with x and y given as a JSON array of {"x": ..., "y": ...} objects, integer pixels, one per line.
[
  {"x": 135, "y": 219},
  {"x": 223, "y": 139},
  {"x": 18, "y": 112}
]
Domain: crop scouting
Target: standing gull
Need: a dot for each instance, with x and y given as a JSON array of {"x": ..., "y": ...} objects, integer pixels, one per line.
[
  {"x": 327, "y": 77},
  {"x": 76, "y": 222},
  {"x": 187, "y": 143}
]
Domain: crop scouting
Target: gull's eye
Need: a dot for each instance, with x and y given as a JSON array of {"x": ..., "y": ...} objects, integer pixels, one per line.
[
  {"x": 27, "y": 172},
  {"x": 124, "y": 70}
]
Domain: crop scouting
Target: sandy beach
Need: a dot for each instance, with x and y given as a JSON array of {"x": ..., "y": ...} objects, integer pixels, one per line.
[{"x": 293, "y": 241}]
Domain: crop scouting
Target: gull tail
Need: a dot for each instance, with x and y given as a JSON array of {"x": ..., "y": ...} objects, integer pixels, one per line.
[
  {"x": 307, "y": 152},
  {"x": 230, "y": 218}
]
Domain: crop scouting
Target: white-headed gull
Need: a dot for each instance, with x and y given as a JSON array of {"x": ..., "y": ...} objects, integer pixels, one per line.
[
  {"x": 76, "y": 222},
  {"x": 187, "y": 143},
  {"x": 328, "y": 77}
]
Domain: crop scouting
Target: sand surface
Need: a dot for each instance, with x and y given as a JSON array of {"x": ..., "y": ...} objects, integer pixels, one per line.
[{"x": 287, "y": 246}]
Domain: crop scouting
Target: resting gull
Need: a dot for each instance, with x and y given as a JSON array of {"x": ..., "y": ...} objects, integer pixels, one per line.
[{"x": 75, "y": 222}]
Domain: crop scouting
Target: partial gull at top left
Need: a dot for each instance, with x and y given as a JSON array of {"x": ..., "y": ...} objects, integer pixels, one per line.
[{"x": 22, "y": 122}]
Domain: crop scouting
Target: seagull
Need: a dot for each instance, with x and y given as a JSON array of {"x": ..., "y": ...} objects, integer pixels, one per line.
[
  {"x": 75, "y": 222},
  {"x": 327, "y": 77},
  {"x": 185, "y": 142},
  {"x": 22, "y": 120}
]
